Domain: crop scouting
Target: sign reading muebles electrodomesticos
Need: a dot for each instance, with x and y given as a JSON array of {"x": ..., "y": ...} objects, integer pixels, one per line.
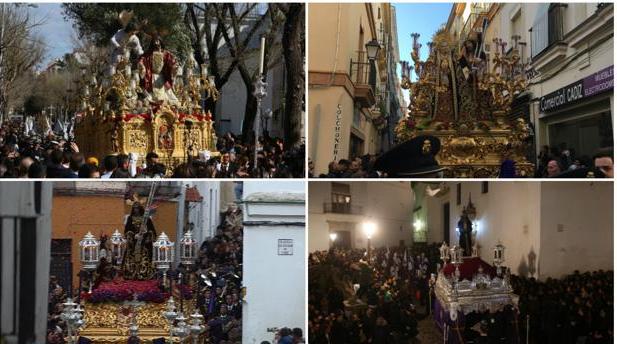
[{"x": 596, "y": 83}]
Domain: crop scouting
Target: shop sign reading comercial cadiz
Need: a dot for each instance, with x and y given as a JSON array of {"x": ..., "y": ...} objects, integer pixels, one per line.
[{"x": 598, "y": 82}]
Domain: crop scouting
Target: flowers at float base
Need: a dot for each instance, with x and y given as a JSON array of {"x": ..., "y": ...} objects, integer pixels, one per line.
[{"x": 127, "y": 290}]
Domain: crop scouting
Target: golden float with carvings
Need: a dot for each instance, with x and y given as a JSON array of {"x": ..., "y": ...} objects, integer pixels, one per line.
[
  {"x": 462, "y": 98},
  {"x": 110, "y": 322},
  {"x": 149, "y": 103}
]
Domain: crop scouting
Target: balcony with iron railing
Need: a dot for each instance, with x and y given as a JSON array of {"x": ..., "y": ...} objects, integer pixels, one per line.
[
  {"x": 364, "y": 80},
  {"x": 547, "y": 46},
  {"x": 342, "y": 208},
  {"x": 479, "y": 11}
]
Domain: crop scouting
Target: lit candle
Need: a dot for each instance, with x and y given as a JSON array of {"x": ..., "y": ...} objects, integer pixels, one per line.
[{"x": 263, "y": 51}]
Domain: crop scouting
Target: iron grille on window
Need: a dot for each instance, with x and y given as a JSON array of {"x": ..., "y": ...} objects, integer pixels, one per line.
[
  {"x": 548, "y": 30},
  {"x": 363, "y": 72}
]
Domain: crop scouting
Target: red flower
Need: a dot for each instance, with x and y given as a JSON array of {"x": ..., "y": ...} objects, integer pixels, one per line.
[{"x": 411, "y": 124}]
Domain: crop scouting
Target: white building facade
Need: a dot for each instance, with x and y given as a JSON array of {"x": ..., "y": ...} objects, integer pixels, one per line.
[
  {"x": 569, "y": 47},
  {"x": 343, "y": 208},
  {"x": 549, "y": 229},
  {"x": 274, "y": 263}
]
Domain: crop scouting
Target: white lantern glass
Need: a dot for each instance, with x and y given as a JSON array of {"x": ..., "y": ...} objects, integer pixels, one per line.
[
  {"x": 456, "y": 254},
  {"x": 118, "y": 244},
  {"x": 89, "y": 251},
  {"x": 188, "y": 248},
  {"x": 162, "y": 252},
  {"x": 444, "y": 252},
  {"x": 498, "y": 254}
]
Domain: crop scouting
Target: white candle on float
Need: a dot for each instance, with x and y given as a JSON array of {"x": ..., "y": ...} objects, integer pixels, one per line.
[{"x": 263, "y": 51}]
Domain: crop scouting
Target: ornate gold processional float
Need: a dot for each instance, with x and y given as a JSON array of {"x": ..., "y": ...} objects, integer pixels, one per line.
[
  {"x": 146, "y": 102},
  {"x": 130, "y": 288},
  {"x": 463, "y": 99}
]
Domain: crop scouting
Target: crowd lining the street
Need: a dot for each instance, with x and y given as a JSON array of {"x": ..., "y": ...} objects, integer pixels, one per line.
[
  {"x": 394, "y": 295},
  {"x": 52, "y": 156}
]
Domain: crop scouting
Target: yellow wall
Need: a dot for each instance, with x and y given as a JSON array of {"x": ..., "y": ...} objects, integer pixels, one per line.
[
  {"x": 323, "y": 106},
  {"x": 323, "y": 40},
  {"x": 334, "y": 40},
  {"x": 74, "y": 216}
]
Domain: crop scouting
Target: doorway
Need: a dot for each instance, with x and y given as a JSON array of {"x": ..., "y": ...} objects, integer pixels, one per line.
[{"x": 343, "y": 240}]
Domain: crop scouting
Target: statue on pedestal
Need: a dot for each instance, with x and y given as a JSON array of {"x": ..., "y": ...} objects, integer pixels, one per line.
[
  {"x": 140, "y": 235},
  {"x": 465, "y": 232}
]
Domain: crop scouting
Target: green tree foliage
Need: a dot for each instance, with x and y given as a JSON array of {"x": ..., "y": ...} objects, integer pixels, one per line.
[
  {"x": 34, "y": 104},
  {"x": 99, "y": 22}
]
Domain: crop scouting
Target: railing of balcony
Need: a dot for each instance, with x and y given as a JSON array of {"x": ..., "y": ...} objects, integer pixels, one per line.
[
  {"x": 478, "y": 11},
  {"x": 342, "y": 208},
  {"x": 548, "y": 30},
  {"x": 360, "y": 71}
]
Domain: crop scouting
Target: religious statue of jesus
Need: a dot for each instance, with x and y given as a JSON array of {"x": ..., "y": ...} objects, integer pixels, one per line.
[
  {"x": 157, "y": 69},
  {"x": 465, "y": 233},
  {"x": 140, "y": 235}
]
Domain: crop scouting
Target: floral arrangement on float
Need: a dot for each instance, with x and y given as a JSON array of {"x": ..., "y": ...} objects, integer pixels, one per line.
[{"x": 127, "y": 290}]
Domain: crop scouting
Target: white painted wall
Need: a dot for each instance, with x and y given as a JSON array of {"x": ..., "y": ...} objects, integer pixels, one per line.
[
  {"x": 577, "y": 227},
  {"x": 509, "y": 212},
  {"x": 388, "y": 204},
  {"x": 232, "y": 101},
  {"x": 275, "y": 284},
  {"x": 581, "y": 62},
  {"x": 527, "y": 217},
  {"x": 205, "y": 215}
]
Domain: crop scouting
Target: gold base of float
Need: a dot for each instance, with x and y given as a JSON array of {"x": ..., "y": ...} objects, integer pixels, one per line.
[
  {"x": 165, "y": 133},
  {"x": 476, "y": 150},
  {"x": 109, "y": 322}
]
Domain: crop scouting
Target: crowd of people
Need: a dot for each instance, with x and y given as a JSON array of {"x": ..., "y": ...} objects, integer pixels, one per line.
[
  {"x": 359, "y": 167},
  {"x": 555, "y": 162},
  {"x": 219, "y": 266},
  {"x": 52, "y": 156},
  {"x": 56, "y": 327},
  {"x": 577, "y": 308},
  {"x": 552, "y": 163},
  {"x": 355, "y": 299}
]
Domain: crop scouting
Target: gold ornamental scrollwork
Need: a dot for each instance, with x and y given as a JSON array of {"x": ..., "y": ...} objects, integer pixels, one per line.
[{"x": 109, "y": 322}]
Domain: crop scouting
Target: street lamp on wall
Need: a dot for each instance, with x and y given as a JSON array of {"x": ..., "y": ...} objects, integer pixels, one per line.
[
  {"x": 333, "y": 237},
  {"x": 417, "y": 225},
  {"x": 372, "y": 48},
  {"x": 369, "y": 229}
]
